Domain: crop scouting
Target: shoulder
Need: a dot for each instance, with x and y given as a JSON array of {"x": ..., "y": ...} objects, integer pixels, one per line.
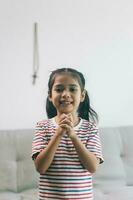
[
  {"x": 43, "y": 124},
  {"x": 89, "y": 125},
  {"x": 44, "y": 128}
]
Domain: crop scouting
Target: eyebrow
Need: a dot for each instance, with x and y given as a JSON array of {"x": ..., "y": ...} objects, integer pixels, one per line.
[{"x": 70, "y": 85}]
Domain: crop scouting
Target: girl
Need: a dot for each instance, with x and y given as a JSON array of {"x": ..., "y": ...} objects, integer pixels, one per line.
[{"x": 66, "y": 148}]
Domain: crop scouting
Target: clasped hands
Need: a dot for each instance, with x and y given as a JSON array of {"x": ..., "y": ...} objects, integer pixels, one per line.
[{"x": 66, "y": 125}]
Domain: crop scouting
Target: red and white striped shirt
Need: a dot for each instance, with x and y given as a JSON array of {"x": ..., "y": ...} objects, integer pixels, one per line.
[{"x": 66, "y": 178}]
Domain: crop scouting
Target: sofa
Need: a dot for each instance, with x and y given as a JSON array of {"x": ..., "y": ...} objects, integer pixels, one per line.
[{"x": 113, "y": 179}]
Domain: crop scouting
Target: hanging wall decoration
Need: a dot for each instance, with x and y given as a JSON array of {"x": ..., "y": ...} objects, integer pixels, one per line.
[{"x": 35, "y": 54}]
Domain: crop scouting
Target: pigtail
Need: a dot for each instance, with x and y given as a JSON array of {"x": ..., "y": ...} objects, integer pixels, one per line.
[
  {"x": 50, "y": 109},
  {"x": 85, "y": 111}
]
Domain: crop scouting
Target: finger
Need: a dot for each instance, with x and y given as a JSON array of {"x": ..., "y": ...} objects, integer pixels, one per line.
[
  {"x": 62, "y": 116},
  {"x": 66, "y": 121},
  {"x": 65, "y": 127},
  {"x": 70, "y": 117}
]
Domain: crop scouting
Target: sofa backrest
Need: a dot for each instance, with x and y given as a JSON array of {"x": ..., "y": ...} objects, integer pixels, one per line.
[
  {"x": 117, "y": 169},
  {"x": 17, "y": 171}
]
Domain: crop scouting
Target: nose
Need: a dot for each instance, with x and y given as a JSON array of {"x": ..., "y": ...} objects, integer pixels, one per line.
[{"x": 65, "y": 93}]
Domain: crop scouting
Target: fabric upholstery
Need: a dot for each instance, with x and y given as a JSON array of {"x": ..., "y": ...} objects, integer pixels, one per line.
[
  {"x": 113, "y": 179},
  {"x": 112, "y": 171},
  {"x": 17, "y": 171}
]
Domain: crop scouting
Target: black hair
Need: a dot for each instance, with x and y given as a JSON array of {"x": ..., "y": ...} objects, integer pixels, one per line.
[{"x": 84, "y": 111}]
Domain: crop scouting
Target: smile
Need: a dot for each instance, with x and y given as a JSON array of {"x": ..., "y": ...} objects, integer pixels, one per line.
[{"x": 65, "y": 102}]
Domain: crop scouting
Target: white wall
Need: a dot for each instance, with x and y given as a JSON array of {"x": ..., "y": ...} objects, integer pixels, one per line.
[{"x": 95, "y": 37}]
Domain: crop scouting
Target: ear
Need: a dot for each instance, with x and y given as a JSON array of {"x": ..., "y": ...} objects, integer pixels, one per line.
[
  {"x": 49, "y": 96},
  {"x": 83, "y": 95}
]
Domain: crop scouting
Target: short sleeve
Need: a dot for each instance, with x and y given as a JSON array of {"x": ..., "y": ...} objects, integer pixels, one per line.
[
  {"x": 94, "y": 142},
  {"x": 39, "y": 140}
]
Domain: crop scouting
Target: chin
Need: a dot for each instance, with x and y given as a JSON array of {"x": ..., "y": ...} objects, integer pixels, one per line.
[{"x": 66, "y": 111}]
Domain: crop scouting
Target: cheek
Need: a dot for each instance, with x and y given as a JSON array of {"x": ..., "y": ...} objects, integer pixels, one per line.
[
  {"x": 77, "y": 99},
  {"x": 57, "y": 98}
]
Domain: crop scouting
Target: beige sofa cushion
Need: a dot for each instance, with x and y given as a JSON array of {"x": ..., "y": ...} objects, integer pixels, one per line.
[
  {"x": 112, "y": 171},
  {"x": 17, "y": 171},
  {"x": 127, "y": 155},
  {"x": 8, "y": 165}
]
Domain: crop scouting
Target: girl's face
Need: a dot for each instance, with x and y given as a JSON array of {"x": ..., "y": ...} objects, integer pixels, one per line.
[{"x": 66, "y": 94}]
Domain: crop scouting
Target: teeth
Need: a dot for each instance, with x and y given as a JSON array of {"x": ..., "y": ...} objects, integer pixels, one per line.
[{"x": 66, "y": 102}]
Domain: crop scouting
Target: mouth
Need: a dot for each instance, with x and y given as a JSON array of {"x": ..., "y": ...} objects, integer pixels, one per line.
[{"x": 65, "y": 103}]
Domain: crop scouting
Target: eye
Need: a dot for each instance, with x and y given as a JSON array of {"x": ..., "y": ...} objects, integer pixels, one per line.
[
  {"x": 58, "y": 89},
  {"x": 72, "y": 89}
]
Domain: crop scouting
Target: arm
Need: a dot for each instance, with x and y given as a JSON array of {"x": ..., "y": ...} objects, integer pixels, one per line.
[
  {"x": 45, "y": 157},
  {"x": 87, "y": 158}
]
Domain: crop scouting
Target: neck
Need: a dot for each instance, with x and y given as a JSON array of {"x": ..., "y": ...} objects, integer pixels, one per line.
[{"x": 76, "y": 121}]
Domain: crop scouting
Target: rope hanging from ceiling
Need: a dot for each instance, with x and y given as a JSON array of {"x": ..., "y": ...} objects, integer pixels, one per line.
[{"x": 35, "y": 54}]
